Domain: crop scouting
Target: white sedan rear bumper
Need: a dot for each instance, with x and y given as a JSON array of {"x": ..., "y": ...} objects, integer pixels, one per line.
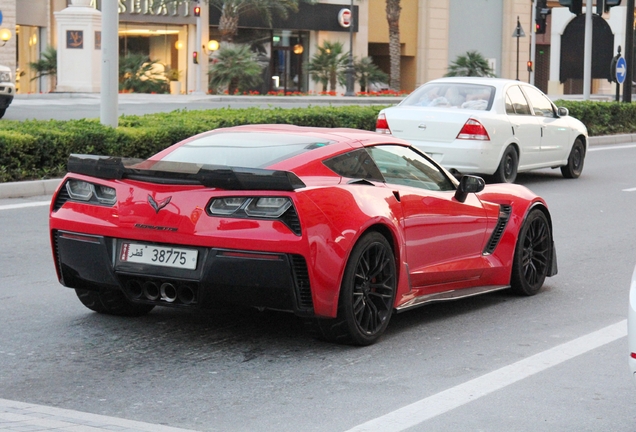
[
  {"x": 631, "y": 326},
  {"x": 465, "y": 156}
]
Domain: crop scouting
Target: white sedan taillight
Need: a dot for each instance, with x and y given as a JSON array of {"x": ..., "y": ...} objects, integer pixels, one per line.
[
  {"x": 473, "y": 130},
  {"x": 381, "y": 125}
]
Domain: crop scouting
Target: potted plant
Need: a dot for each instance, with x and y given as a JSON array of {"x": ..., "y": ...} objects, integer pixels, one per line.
[{"x": 173, "y": 75}]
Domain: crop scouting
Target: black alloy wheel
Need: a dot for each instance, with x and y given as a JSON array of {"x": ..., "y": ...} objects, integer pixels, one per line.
[
  {"x": 507, "y": 170},
  {"x": 367, "y": 294},
  {"x": 574, "y": 168},
  {"x": 533, "y": 254}
]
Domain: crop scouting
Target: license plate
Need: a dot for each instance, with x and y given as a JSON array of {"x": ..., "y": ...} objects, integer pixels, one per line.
[{"x": 158, "y": 255}]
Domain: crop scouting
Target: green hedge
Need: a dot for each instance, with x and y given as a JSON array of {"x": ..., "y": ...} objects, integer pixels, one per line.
[
  {"x": 603, "y": 118},
  {"x": 39, "y": 149}
]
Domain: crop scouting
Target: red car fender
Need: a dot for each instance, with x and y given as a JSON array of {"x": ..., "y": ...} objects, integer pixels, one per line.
[
  {"x": 345, "y": 215},
  {"x": 522, "y": 202}
]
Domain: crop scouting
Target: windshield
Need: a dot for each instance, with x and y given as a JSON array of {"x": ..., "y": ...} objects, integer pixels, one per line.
[
  {"x": 452, "y": 95},
  {"x": 244, "y": 149}
]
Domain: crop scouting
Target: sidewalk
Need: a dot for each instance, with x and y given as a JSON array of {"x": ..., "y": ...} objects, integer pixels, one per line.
[
  {"x": 26, "y": 189},
  {"x": 18, "y": 416},
  {"x": 141, "y": 98}
]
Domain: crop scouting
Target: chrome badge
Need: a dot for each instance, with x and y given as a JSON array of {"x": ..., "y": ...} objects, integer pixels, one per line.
[{"x": 158, "y": 205}]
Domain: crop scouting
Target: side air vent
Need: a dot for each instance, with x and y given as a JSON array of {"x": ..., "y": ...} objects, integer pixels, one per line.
[
  {"x": 56, "y": 253},
  {"x": 290, "y": 218},
  {"x": 61, "y": 198},
  {"x": 504, "y": 216},
  {"x": 301, "y": 279}
]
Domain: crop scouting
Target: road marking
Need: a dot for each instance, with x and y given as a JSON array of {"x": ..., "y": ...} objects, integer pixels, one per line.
[
  {"x": 25, "y": 205},
  {"x": 437, "y": 404},
  {"x": 610, "y": 147},
  {"x": 629, "y": 190}
]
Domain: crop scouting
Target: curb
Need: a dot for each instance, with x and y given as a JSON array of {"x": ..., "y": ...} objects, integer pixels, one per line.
[
  {"x": 33, "y": 188},
  {"x": 30, "y": 188}
]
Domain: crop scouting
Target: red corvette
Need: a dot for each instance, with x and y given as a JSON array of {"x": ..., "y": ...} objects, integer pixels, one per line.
[{"x": 339, "y": 226}]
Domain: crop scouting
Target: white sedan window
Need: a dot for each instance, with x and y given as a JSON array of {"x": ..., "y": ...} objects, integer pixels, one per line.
[
  {"x": 452, "y": 95},
  {"x": 540, "y": 103},
  {"x": 517, "y": 101}
]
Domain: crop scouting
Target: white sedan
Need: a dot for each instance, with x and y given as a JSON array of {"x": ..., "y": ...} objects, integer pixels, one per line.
[
  {"x": 488, "y": 126},
  {"x": 631, "y": 326}
]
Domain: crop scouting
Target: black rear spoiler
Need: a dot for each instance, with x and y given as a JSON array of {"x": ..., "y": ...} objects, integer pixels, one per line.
[{"x": 223, "y": 177}]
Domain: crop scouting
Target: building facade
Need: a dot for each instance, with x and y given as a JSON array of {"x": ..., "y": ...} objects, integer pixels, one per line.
[{"x": 432, "y": 35}]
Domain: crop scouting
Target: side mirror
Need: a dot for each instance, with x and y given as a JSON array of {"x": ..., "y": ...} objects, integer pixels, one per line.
[
  {"x": 563, "y": 112},
  {"x": 469, "y": 184}
]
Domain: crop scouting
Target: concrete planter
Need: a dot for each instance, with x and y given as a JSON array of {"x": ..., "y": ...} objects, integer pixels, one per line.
[{"x": 175, "y": 87}]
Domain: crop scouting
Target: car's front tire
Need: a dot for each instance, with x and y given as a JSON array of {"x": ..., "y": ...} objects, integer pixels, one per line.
[
  {"x": 576, "y": 159},
  {"x": 367, "y": 294},
  {"x": 112, "y": 302},
  {"x": 507, "y": 170},
  {"x": 533, "y": 254}
]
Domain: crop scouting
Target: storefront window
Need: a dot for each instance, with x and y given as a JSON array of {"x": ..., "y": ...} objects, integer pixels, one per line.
[
  {"x": 160, "y": 43},
  {"x": 28, "y": 51},
  {"x": 288, "y": 56},
  {"x": 282, "y": 51}
]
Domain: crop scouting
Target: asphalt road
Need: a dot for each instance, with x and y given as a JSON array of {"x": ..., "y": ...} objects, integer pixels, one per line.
[
  {"x": 492, "y": 363},
  {"x": 67, "y": 106}
]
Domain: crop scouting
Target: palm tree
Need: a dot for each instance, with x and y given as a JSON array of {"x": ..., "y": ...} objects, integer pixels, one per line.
[
  {"x": 393, "y": 9},
  {"x": 236, "y": 67},
  {"x": 139, "y": 74},
  {"x": 231, "y": 9},
  {"x": 471, "y": 64},
  {"x": 368, "y": 73},
  {"x": 328, "y": 65},
  {"x": 47, "y": 65}
]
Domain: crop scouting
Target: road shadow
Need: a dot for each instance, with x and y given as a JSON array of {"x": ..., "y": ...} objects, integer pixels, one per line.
[{"x": 247, "y": 333}]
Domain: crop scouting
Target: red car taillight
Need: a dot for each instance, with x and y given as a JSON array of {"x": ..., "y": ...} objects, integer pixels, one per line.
[
  {"x": 473, "y": 130},
  {"x": 381, "y": 125},
  {"x": 634, "y": 355}
]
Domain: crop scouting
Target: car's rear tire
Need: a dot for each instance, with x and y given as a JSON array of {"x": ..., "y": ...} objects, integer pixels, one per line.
[
  {"x": 367, "y": 295},
  {"x": 112, "y": 302},
  {"x": 533, "y": 254},
  {"x": 576, "y": 159},
  {"x": 2, "y": 111},
  {"x": 507, "y": 170}
]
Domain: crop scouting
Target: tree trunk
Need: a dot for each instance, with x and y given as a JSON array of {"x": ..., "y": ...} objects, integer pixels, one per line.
[
  {"x": 228, "y": 24},
  {"x": 232, "y": 86},
  {"x": 393, "y": 17},
  {"x": 333, "y": 79}
]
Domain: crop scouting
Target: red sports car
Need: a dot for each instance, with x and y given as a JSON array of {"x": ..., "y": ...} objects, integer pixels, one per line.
[{"x": 339, "y": 226}]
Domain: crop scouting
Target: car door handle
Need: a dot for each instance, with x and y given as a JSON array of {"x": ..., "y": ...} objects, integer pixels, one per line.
[{"x": 421, "y": 126}]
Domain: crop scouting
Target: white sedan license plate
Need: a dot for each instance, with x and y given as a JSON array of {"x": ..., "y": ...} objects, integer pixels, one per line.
[{"x": 158, "y": 255}]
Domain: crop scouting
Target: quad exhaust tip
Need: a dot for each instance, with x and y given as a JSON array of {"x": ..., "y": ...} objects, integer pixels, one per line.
[{"x": 165, "y": 292}]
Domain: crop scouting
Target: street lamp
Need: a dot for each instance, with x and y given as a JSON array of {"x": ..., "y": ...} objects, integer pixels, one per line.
[
  {"x": 210, "y": 47},
  {"x": 350, "y": 68},
  {"x": 5, "y": 35},
  {"x": 518, "y": 33}
]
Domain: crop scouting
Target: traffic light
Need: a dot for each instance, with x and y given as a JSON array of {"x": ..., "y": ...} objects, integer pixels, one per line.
[
  {"x": 197, "y": 11},
  {"x": 540, "y": 25},
  {"x": 195, "y": 57},
  {"x": 529, "y": 65},
  {"x": 575, "y": 6},
  {"x": 540, "y": 19}
]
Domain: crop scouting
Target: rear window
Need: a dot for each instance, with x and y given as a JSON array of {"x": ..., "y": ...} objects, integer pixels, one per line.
[
  {"x": 244, "y": 149},
  {"x": 452, "y": 95}
]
